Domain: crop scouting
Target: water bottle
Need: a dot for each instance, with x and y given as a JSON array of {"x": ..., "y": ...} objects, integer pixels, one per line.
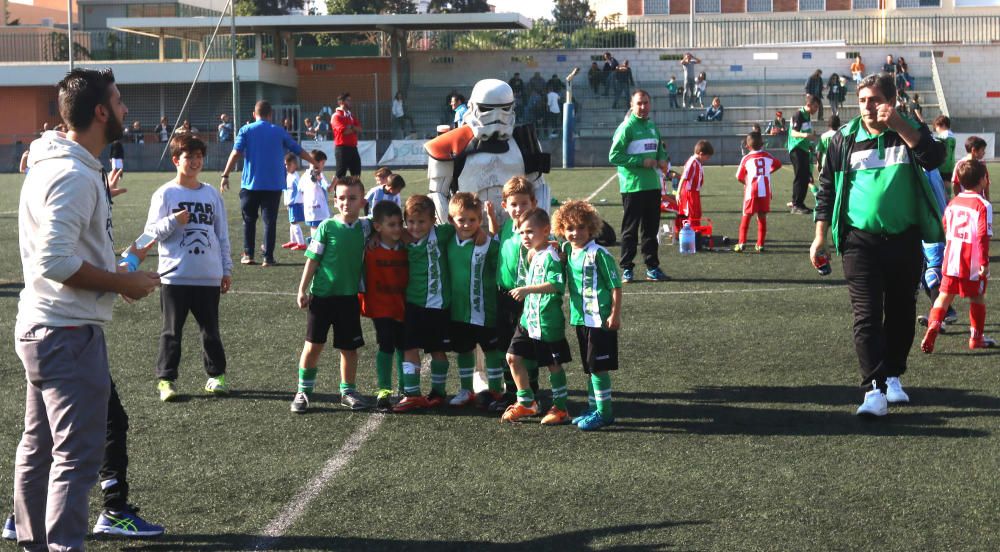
[
  {"x": 822, "y": 264},
  {"x": 687, "y": 238},
  {"x": 665, "y": 233}
]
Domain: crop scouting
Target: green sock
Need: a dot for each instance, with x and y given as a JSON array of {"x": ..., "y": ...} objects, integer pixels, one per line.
[
  {"x": 346, "y": 387},
  {"x": 383, "y": 370},
  {"x": 411, "y": 379},
  {"x": 494, "y": 371},
  {"x": 525, "y": 397},
  {"x": 602, "y": 392},
  {"x": 466, "y": 367},
  {"x": 307, "y": 379},
  {"x": 591, "y": 400},
  {"x": 558, "y": 382},
  {"x": 400, "y": 383},
  {"x": 532, "y": 367},
  {"x": 439, "y": 376}
]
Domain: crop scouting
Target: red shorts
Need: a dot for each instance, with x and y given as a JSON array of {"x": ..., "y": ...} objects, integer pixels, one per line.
[
  {"x": 756, "y": 204},
  {"x": 690, "y": 205},
  {"x": 962, "y": 287}
]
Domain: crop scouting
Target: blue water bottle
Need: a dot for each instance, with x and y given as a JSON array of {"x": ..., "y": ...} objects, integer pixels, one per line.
[{"x": 687, "y": 239}]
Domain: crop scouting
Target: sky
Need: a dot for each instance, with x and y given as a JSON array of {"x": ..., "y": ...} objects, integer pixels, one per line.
[{"x": 533, "y": 9}]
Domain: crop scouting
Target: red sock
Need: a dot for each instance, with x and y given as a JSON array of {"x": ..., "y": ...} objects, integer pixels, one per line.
[
  {"x": 761, "y": 229},
  {"x": 937, "y": 316},
  {"x": 744, "y": 226},
  {"x": 977, "y": 319}
]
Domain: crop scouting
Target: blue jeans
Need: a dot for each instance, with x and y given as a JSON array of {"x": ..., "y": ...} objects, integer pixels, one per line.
[{"x": 266, "y": 202}]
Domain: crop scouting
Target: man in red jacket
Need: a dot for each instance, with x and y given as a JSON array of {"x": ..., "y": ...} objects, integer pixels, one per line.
[{"x": 345, "y": 138}]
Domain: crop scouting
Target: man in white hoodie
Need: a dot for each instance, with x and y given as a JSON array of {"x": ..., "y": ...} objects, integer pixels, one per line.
[{"x": 70, "y": 282}]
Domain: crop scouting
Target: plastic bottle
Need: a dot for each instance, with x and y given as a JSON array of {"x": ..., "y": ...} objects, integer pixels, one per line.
[
  {"x": 666, "y": 233},
  {"x": 687, "y": 239},
  {"x": 822, "y": 264}
]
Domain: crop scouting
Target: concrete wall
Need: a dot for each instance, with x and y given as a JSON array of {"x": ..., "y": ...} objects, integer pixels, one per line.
[{"x": 970, "y": 76}]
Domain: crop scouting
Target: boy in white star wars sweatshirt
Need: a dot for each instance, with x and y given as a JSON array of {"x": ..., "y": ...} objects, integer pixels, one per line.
[{"x": 188, "y": 219}]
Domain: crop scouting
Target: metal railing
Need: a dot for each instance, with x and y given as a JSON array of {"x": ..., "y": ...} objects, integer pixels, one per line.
[{"x": 19, "y": 47}]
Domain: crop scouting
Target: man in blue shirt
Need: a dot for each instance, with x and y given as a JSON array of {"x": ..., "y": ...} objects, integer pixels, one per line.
[
  {"x": 225, "y": 129},
  {"x": 263, "y": 146}
]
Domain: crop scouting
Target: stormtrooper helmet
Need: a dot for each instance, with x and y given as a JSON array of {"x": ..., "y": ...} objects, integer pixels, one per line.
[{"x": 491, "y": 110}]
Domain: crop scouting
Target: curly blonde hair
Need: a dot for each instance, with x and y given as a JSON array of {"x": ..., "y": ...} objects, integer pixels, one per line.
[{"x": 577, "y": 213}]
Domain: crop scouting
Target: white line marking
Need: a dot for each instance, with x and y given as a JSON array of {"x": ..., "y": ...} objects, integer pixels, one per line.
[
  {"x": 605, "y": 185},
  {"x": 670, "y": 292},
  {"x": 300, "y": 502}
]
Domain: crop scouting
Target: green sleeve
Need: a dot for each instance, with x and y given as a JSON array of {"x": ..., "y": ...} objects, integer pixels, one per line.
[
  {"x": 554, "y": 274},
  {"x": 661, "y": 151},
  {"x": 320, "y": 239},
  {"x": 607, "y": 271},
  {"x": 444, "y": 232},
  {"x": 618, "y": 154}
]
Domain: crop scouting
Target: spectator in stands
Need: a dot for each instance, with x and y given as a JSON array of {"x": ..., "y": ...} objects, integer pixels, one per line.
[
  {"x": 889, "y": 66},
  {"x": 594, "y": 77},
  {"x": 835, "y": 92},
  {"x": 400, "y": 116},
  {"x": 263, "y": 146},
  {"x": 308, "y": 130},
  {"x": 610, "y": 66},
  {"x": 517, "y": 87},
  {"x": 672, "y": 91},
  {"x": 537, "y": 83},
  {"x": 623, "y": 83},
  {"x": 700, "y": 88},
  {"x": 901, "y": 87},
  {"x": 535, "y": 108},
  {"x": 163, "y": 130},
  {"x": 903, "y": 69},
  {"x": 346, "y": 127},
  {"x": 555, "y": 83},
  {"x": 687, "y": 65},
  {"x": 857, "y": 69},
  {"x": 457, "y": 103},
  {"x": 321, "y": 128},
  {"x": 714, "y": 111},
  {"x": 552, "y": 112},
  {"x": 134, "y": 133},
  {"x": 916, "y": 109},
  {"x": 286, "y": 124},
  {"x": 814, "y": 87},
  {"x": 225, "y": 129}
]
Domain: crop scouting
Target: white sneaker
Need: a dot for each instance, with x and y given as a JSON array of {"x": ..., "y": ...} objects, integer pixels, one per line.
[
  {"x": 894, "y": 391},
  {"x": 463, "y": 398},
  {"x": 875, "y": 404},
  {"x": 300, "y": 403}
]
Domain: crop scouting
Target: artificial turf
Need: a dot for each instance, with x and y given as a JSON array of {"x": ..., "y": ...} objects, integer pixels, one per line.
[{"x": 735, "y": 404}]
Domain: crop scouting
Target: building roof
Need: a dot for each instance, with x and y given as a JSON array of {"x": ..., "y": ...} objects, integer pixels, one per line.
[{"x": 194, "y": 28}]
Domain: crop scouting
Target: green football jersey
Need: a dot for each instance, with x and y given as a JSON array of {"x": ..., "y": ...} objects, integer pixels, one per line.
[
  {"x": 428, "y": 284},
  {"x": 543, "y": 315},
  {"x": 472, "y": 270},
  {"x": 801, "y": 122},
  {"x": 592, "y": 275},
  {"x": 339, "y": 249},
  {"x": 511, "y": 268}
]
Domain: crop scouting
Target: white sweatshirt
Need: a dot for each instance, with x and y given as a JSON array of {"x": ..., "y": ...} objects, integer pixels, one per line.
[
  {"x": 64, "y": 220},
  {"x": 200, "y": 248},
  {"x": 314, "y": 200}
]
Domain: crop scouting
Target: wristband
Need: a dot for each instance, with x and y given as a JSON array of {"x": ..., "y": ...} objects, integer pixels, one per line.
[
  {"x": 225, "y": 176},
  {"x": 130, "y": 261}
]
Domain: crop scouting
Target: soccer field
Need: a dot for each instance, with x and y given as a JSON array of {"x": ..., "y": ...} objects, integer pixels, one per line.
[{"x": 735, "y": 405}]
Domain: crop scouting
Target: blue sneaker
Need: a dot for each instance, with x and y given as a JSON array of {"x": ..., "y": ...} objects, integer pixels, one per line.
[
  {"x": 9, "y": 530},
  {"x": 126, "y": 523},
  {"x": 657, "y": 275},
  {"x": 594, "y": 421},
  {"x": 627, "y": 276},
  {"x": 583, "y": 416}
]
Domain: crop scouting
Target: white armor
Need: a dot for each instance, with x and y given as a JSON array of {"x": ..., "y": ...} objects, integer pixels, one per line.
[{"x": 491, "y": 117}]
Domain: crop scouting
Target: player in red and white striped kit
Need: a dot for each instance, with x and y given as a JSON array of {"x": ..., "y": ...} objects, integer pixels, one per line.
[
  {"x": 755, "y": 173},
  {"x": 692, "y": 179},
  {"x": 968, "y": 226}
]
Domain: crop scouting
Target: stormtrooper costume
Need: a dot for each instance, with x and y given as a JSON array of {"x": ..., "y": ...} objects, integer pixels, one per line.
[{"x": 481, "y": 155}]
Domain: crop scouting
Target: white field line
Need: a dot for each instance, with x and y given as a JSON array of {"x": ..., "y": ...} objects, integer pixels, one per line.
[
  {"x": 666, "y": 292},
  {"x": 605, "y": 185},
  {"x": 298, "y": 505}
]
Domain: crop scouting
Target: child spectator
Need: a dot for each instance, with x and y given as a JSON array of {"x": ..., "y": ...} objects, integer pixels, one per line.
[
  {"x": 823, "y": 144},
  {"x": 541, "y": 333},
  {"x": 777, "y": 131},
  {"x": 755, "y": 173},
  {"x": 518, "y": 199},
  {"x": 387, "y": 188},
  {"x": 595, "y": 305},
  {"x": 472, "y": 271},
  {"x": 428, "y": 296},
  {"x": 314, "y": 186},
  {"x": 188, "y": 219},
  {"x": 383, "y": 296},
  {"x": 329, "y": 290},
  {"x": 942, "y": 132},
  {"x": 857, "y": 70},
  {"x": 672, "y": 91},
  {"x": 700, "y": 86},
  {"x": 916, "y": 109},
  {"x": 293, "y": 201},
  {"x": 835, "y": 92},
  {"x": 968, "y": 224},
  {"x": 975, "y": 148},
  {"x": 692, "y": 178}
]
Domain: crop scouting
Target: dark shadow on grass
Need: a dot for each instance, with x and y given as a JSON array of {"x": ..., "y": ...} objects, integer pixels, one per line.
[
  {"x": 575, "y": 540},
  {"x": 12, "y": 289},
  {"x": 783, "y": 281}
]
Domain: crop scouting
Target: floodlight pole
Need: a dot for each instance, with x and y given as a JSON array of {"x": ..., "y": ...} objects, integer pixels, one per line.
[
  {"x": 69, "y": 31},
  {"x": 569, "y": 119},
  {"x": 232, "y": 53}
]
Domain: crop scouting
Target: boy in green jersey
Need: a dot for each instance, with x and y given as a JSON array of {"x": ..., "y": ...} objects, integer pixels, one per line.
[
  {"x": 428, "y": 296},
  {"x": 472, "y": 271},
  {"x": 943, "y": 134},
  {"x": 541, "y": 335},
  {"x": 595, "y": 306},
  {"x": 518, "y": 198},
  {"x": 329, "y": 289}
]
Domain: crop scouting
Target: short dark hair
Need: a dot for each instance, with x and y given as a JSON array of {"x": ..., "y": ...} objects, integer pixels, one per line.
[
  {"x": 755, "y": 141},
  {"x": 80, "y": 92},
  {"x": 974, "y": 143},
  {"x": 262, "y": 108},
  {"x": 396, "y": 181},
  {"x": 942, "y": 121},
  {"x": 343, "y": 96},
  {"x": 970, "y": 173},
  {"x": 291, "y": 157},
  {"x": 318, "y": 155},
  {"x": 187, "y": 143},
  {"x": 835, "y": 121},
  {"x": 639, "y": 91},
  {"x": 382, "y": 171},
  {"x": 385, "y": 209},
  {"x": 704, "y": 146},
  {"x": 350, "y": 182},
  {"x": 883, "y": 82},
  {"x": 535, "y": 217},
  {"x": 419, "y": 205}
]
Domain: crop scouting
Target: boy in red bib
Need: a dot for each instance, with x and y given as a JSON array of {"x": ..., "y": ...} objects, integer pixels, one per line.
[
  {"x": 755, "y": 173},
  {"x": 692, "y": 180}
]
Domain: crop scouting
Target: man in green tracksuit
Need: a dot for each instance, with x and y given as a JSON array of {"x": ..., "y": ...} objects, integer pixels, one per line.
[
  {"x": 876, "y": 201},
  {"x": 637, "y": 151}
]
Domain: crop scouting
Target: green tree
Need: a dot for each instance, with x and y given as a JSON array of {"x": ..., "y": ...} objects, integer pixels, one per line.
[
  {"x": 371, "y": 7},
  {"x": 458, "y": 6},
  {"x": 267, "y": 7},
  {"x": 572, "y": 11}
]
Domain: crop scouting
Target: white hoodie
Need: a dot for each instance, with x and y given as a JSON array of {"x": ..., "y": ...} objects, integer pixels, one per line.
[{"x": 64, "y": 220}]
